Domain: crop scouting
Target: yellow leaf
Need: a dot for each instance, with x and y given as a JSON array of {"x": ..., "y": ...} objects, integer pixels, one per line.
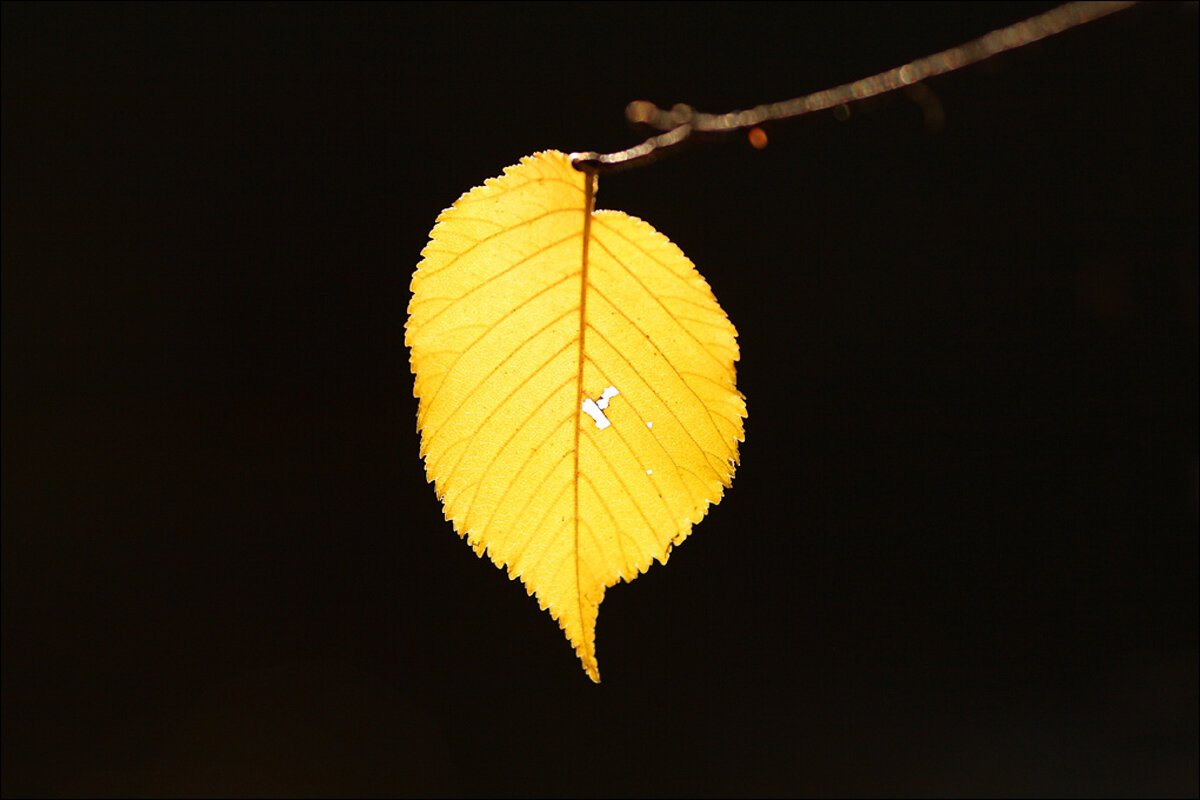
[{"x": 576, "y": 375}]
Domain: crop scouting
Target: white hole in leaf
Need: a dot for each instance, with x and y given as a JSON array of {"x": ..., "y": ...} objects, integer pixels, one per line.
[
  {"x": 606, "y": 395},
  {"x": 595, "y": 408},
  {"x": 649, "y": 424},
  {"x": 591, "y": 409}
]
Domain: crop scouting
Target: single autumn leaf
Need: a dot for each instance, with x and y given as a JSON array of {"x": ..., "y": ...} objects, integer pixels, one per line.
[{"x": 578, "y": 406}]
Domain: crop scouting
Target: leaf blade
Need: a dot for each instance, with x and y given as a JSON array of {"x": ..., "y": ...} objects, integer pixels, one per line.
[{"x": 527, "y": 307}]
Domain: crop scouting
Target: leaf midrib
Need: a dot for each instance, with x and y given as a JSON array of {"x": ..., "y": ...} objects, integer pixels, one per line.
[{"x": 588, "y": 194}]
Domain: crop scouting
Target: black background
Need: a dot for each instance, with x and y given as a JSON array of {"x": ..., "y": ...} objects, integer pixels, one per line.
[{"x": 960, "y": 555}]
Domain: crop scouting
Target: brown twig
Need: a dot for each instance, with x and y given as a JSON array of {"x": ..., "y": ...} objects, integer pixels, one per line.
[{"x": 682, "y": 124}]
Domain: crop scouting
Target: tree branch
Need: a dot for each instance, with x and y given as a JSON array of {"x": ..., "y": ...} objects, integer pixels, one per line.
[{"x": 683, "y": 125}]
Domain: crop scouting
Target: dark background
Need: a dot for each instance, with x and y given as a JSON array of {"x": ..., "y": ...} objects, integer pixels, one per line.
[{"x": 960, "y": 555}]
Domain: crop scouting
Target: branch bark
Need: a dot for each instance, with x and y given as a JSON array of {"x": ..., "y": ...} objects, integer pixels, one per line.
[{"x": 682, "y": 125}]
